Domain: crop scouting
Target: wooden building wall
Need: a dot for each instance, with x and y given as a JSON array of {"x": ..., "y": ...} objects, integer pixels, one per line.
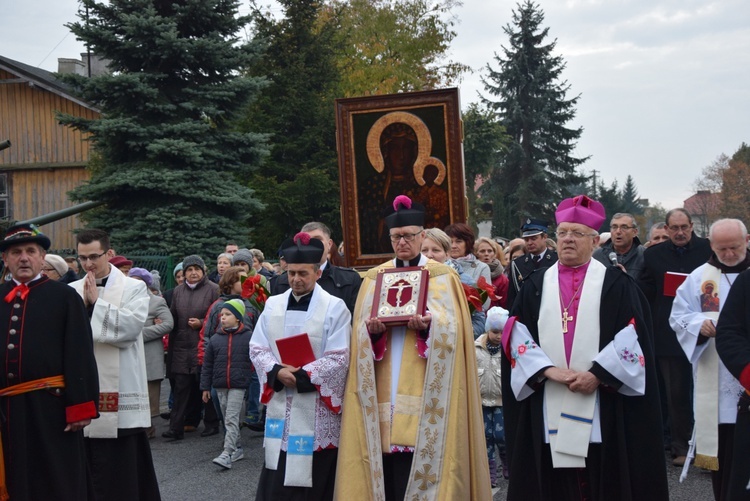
[
  {"x": 27, "y": 118},
  {"x": 40, "y": 191},
  {"x": 46, "y": 159}
]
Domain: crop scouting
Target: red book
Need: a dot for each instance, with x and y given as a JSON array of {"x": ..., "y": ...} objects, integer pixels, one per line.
[
  {"x": 295, "y": 350},
  {"x": 672, "y": 280}
]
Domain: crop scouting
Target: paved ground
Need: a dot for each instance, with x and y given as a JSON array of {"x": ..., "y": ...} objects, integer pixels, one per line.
[{"x": 186, "y": 473}]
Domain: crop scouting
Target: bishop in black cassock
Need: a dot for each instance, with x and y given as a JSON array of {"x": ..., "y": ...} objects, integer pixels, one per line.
[{"x": 621, "y": 456}]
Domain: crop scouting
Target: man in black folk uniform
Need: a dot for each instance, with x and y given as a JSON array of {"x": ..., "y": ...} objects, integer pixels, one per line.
[
  {"x": 683, "y": 253},
  {"x": 338, "y": 281},
  {"x": 534, "y": 234},
  {"x": 733, "y": 346},
  {"x": 47, "y": 344},
  {"x": 580, "y": 399}
]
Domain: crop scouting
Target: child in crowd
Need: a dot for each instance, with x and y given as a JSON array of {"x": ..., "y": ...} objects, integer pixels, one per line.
[
  {"x": 489, "y": 353},
  {"x": 227, "y": 367}
]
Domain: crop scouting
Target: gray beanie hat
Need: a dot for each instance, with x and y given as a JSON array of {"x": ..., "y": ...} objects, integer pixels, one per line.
[
  {"x": 194, "y": 260},
  {"x": 243, "y": 255}
]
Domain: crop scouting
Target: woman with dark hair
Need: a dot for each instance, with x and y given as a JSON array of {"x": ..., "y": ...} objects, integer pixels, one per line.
[
  {"x": 469, "y": 267},
  {"x": 462, "y": 246},
  {"x": 513, "y": 252}
]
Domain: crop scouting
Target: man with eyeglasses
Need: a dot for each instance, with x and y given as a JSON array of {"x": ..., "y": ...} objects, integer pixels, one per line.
[
  {"x": 119, "y": 454},
  {"x": 409, "y": 408},
  {"x": 48, "y": 383},
  {"x": 682, "y": 254},
  {"x": 534, "y": 235},
  {"x": 624, "y": 243},
  {"x": 579, "y": 397}
]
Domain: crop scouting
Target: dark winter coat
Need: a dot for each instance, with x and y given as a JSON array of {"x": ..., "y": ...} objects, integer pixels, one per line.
[
  {"x": 520, "y": 269},
  {"x": 69, "y": 277},
  {"x": 227, "y": 361},
  {"x": 182, "y": 357},
  {"x": 212, "y": 323},
  {"x": 733, "y": 346},
  {"x": 657, "y": 260},
  {"x": 631, "y": 260}
]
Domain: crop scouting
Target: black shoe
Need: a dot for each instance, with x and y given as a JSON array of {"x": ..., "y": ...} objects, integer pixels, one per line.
[
  {"x": 256, "y": 426},
  {"x": 166, "y": 415},
  {"x": 210, "y": 431},
  {"x": 172, "y": 435}
]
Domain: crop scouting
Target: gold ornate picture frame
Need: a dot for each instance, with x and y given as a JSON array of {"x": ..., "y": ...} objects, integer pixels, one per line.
[{"x": 398, "y": 144}]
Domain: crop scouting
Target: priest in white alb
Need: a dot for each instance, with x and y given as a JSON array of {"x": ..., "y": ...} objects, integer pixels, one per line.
[
  {"x": 695, "y": 312},
  {"x": 580, "y": 398},
  {"x": 303, "y": 395},
  {"x": 117, "y": 447}
]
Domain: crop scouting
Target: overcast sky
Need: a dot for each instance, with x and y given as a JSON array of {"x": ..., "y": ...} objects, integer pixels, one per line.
[{"x": 664, "y": 84}]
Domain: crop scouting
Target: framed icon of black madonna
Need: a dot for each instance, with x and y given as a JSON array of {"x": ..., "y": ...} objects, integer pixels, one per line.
[{"x": 398, "y": 144}]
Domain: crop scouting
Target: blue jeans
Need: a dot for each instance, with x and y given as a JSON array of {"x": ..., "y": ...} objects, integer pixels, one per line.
[
  {"x": 478, "y": 321},
  {"x": 494, "y": 431},
  {"x": 253, "y": 414}
]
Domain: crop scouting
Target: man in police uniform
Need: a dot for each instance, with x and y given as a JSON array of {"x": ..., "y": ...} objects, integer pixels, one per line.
[
  {"x": 534, "y": 234},
  {"x": 338, "y": 281}
]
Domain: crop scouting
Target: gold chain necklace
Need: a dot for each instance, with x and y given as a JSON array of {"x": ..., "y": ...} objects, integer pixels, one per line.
[{"x": 565, "y": 317}]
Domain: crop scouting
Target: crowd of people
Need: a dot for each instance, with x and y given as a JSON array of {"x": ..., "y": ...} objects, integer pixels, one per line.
[{"x": 582, "y": 363}]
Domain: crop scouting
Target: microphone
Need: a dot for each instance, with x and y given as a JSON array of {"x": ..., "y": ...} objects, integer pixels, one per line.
[{"x": 613, "y": 258}]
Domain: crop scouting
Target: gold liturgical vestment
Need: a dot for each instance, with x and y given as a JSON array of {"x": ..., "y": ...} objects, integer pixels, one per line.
[{"x": 438, "y": 409}]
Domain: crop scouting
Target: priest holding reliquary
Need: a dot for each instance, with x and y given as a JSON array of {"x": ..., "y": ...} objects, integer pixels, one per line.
[{"x": 412, "y": 421}]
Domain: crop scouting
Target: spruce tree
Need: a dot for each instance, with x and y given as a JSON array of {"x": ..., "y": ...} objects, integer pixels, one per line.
[
  {"x": 170, "y": 165},
  {"x": 611, "y": 199},
  {"x": 299, "y": 181},
  {"x": 527, "y": 93},
  {"x": 484, "y": 143},
  {"x": 630, "y": 199}
]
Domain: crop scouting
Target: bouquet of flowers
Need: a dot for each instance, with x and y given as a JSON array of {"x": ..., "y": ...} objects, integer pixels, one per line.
[
  {"x": 255, "y": 289},
  {"x": 476, "y": 296}
]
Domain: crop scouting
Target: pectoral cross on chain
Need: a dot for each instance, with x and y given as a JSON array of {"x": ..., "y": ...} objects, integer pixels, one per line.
[{"x": 565, "y": 319}]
